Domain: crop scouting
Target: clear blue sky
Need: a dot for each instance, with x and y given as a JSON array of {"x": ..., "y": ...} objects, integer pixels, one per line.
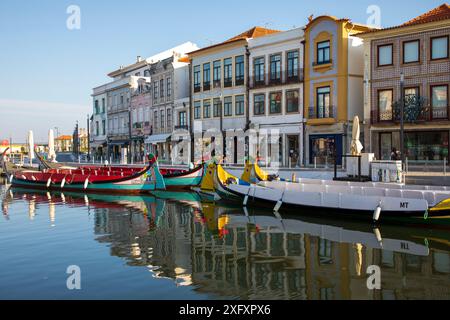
[{"x": 47, "y": 71}]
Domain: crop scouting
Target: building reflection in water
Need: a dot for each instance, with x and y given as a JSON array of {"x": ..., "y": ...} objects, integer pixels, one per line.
[{"x": 226, "y": 253}]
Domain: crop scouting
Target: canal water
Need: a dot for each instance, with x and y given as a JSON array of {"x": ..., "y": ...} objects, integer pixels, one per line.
[{"x": 175, "y": 246}]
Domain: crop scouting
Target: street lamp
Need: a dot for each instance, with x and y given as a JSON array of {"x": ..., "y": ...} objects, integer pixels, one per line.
[{"x": 402, "y": 129}]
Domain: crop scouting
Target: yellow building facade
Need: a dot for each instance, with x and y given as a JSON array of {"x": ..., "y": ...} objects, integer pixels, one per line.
[{"x": 333, "y": 87}]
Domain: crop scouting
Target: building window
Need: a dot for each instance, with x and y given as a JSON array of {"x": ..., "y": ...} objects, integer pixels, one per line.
[
  {"x": 323, "y": 102},
  {"x": 169, "y": 86},
  {"x": 292, "y": 101},
  {"x": 325, "y": 252},
  {"x": 439, "y": 101},
  {"x": 206, "y": 109},
  {"x": 162, "y": 119},
  {"x": 103, "y": 127},
  {"x": 228, "y": 72},
  {"x": 155, "y": 119},
  {"x": 182, "y": 119},
  {"x": 161, "y": 83},
  {"x": 239, "y": 105},
  {"x": 411, "y": 51},
  {"x": 259, "y": 104},
  {"x": 206, "y": 76},
  {"x": 217, "y": 73},
  {"x": 217, "y": 106},
  {"x": 239, "y": 66},
  {"x": 385, "y": 105},
  {"x": 96, "y": 107},
  {"x": 121, "y": 99},
  {"x": 156, "y": 91},
  {"x": 275, "y": 102},
  {"x": 292, "y": 65},
  {"x": 275, "y": 68},
  {"x": 323, "y": 52},
  {"x": 439, "y": 48},
  {"x": 228, "y": 106},
  {"x": 197, "y": 110},
  {"x": 259, "y": 66},
  {"x": 196, "y": 78},
  {"x": 385, "y": 55},
  {"x": 410, "y": 93},
  {"x": 146, "y": 73},
  {"x": 425, "y": 146},
  {"x": 169, "y": 119},
  {"x": 97, "y": 128}
]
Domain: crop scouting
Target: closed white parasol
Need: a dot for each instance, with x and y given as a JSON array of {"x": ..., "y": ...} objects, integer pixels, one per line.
[
  {"x": 51, "y": 146},
  {"x": 356, "y": 144},
  {"x": 30, "y": 146}
]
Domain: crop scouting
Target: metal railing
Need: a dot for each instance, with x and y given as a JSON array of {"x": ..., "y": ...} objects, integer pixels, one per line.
[
  {"x": 325, "y": 113},
  {"x": 427, "y": 114},
  {"x": 274, "y": 79}
]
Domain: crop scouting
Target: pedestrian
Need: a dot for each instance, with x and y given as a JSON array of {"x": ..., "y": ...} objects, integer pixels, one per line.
[{"x": 394, "y": 154}]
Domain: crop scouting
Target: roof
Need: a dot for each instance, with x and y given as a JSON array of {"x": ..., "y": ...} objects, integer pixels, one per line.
[
  {"x": 66, "y": 137},
  {"x": 437, "y": 14},
  {"x": 254, "y": 32},
  {"x": 440, "y": 13},
  {"x": 312, "y": 20}
]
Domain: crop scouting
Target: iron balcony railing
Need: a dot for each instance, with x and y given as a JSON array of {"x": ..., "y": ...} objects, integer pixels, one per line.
[
  {"x": 181, "y": 127},
  {"x": 425, "y": 114},
  {"x": 274, "y": 79},
  {"x": 322, "y": 113},
  {"x": 315, "y": 63}
]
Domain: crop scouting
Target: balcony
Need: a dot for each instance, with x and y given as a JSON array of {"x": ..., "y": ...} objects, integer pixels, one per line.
[
  {"x": 197, "y": 88},
  {"x": 329, "y": 112},
  {"x": 206, "y": 86},
  {"x": 322, "y": 63},
  {"x": 239, "y": 81},
  {"x": 181, "y": 127},
  {"x": 425, "y": 114},
  {"x": 227, "y": 82},
  {"x": 283, "y": 78}
]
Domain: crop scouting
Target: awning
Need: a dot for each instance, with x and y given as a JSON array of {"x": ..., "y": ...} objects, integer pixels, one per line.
[{"x": 157, "y": 138}]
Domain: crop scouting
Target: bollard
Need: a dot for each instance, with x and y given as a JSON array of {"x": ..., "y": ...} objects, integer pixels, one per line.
[
  {"x": 406, "y": 164},
  {"x": 315, "y": 162}
]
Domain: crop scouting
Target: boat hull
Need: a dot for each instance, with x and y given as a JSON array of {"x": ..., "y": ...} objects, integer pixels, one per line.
[{"x": 393, "y": 210}]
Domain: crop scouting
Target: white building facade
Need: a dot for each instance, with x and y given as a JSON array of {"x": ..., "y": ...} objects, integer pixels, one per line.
[
  {"x": 276, "y": 97},
  {"x": 219, "y": 97},
  {"x": 99, "y": 124}
]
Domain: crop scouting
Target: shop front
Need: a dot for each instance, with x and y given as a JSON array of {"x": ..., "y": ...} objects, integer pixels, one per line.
[
  {"x": 160, "y": 145},
  {"x": 324, "y": 149},
  {"x": 420, "y": 146}
]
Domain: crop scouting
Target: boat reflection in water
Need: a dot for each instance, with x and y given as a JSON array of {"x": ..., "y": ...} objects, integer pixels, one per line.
[{"x": 227, "y": 252}]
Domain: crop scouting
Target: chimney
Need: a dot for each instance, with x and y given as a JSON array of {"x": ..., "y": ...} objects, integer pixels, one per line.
[{"x": 138, "y": 59}]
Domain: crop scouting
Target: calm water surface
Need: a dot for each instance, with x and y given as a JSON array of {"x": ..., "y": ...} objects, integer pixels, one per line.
[{"x": 156, "y": 248}]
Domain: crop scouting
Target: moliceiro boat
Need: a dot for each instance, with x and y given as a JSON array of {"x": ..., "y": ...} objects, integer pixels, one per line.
[
  {"x": 370, "y": 203},
  {"x": 173, "y": 178},
  {"x": 100, "y": 179}
]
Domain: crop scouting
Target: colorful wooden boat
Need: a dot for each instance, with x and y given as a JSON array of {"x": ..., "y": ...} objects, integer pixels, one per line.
[
  {"x": 173, "y": 178},
  {"x": 374, "y": 204},
  {"x": 104, "y": 179},
  {"x": 254, "y": 174},
  {"x": 186, "y": 179}
]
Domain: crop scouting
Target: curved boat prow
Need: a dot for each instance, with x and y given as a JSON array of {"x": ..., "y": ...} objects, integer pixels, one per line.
[
  {"x": 154, "y": 170},
  {"x": 208, "y": 177}
]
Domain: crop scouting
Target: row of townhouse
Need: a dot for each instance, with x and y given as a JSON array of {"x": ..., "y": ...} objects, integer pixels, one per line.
[{"x": 298, "y": 90}]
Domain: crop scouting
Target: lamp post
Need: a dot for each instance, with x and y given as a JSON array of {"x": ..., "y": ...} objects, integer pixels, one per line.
[
  {"x": 224, "y": 146},
  {"x": 402, "y": 129}
]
